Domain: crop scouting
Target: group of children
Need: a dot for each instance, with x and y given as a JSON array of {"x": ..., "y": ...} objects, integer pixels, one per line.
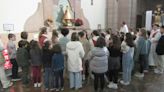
[{"x": 81, "y": 57}]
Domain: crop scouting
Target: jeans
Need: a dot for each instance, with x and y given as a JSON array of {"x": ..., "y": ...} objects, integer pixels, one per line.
[
  {"x": 99, "y": 77},
  {"x": 14, "y": 68},
  {"x": 3, "y": 78},
  {"x": 25, "y": 74},
  {"x": 36, "y": 71},
  {"x": 160, "y": 65},
  {"x": 59, "y": 79},
  {"x": 142, "y": 61},
  {"x": 146, "y": 66},
  {"x": 75, "y": 80},
  {"x": 48, "y": 78},
  {"x": 127, "y": 65}
]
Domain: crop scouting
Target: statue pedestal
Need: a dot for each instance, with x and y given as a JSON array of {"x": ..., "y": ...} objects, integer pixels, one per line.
[{"x": 78, "y": 28}]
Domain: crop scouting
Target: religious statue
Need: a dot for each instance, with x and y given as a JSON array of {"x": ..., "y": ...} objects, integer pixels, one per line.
[
  {"x": 158, "y": 15},
  {"x": 67, "y": 19}
]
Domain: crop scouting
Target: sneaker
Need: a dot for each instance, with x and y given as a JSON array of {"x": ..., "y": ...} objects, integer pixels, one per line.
[
  {"x": 52, "y": 89},
  {"x": 139, "y": 75},
  {"x": 57, "y": 90},
  {"x": 156, "y": 71},
  {"x": 39, "y": 85},
  {"x": 16, "y": 79},
  {"x": 115, "y": 86},
  {"x": 35, "y": 85},
  {"x": 62, "y": 89},
  {"x": 124, "y": 83},
  {"x": 11, "y": 83},
  {"x": 110, "y": 85},
  {"x": 145, "y": 71},
  {"x": 46, "y": 89}
]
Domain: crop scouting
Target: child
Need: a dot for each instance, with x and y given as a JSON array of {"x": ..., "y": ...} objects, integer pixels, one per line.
[
  {"x": 42, "y": 36},
  {"x": 47, "y": 58},
  {"x": 64, "y": 40},
  {"x": 114, "y": 61},
  {"x": 36, "y": 62},
  {"x": 24, "y": 37},
  {"x": 3, "y": 78},
  {"x": 75, "y": 52},
  {"x": 22, "y": 57},
  {"x": 127, "y": 47},
  {"x": 87, "y": 48},
  {"x": 12, "y": 55},
  {"x": 58, "y": 67},
  {"x": 99, "y": 63},
  {"x": 141, "y": 52}
]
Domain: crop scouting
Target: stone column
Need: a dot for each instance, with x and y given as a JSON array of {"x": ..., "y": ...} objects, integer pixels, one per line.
[
  {"x": 112, "y": 14},
  {"x": 127, "y": 12},
  {"x": 47, "y": 9}
]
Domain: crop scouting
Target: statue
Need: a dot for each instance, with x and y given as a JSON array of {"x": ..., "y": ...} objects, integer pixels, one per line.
[
  {"x": 67, "y": 19},
  {"x": 158, "y": 15}
]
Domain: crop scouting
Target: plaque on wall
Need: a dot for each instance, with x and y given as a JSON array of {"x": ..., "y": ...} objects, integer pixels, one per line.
[{"x": 8, "y": 27}]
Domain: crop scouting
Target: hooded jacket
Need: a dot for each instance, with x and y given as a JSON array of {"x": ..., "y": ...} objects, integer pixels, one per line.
[
  {"x": 98, "y": 60},
  {"x": 75, "y": 52}
]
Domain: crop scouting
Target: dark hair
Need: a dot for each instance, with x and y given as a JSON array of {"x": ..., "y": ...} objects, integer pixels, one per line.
[
  {"x": 143, "y": 33},
  {"x": 129, "y": 40},
  {"x": 54, "y": 33},
  {"x": 156, "y": 25},
  {"x": 24, "y": 35},
  {"x": 46, "y": 45},
  {"x": 10, "y": 36},
  {"x": 148, "y": 33},
  {"x": 46, "y": 22},
  {"x": 74, "y": 37},
  {"x": 123, "y": 22},
  {"x": 86, "y": 34},
  {"x": 108, "y": 31},
  {"x": 81, "y": 34},
  {"x": 34, "y": 44},
  {"x": 100, "y": 42},
  {"x": 57, "y": 49},
  {"x": 96, "y": 33},
  {"x": 64, "y": 31},
  {"x": 116, "y": 42},
  {"x": 162, "y": 26},
  {"x": 42, "y": 31},
  {"x": 102, "y": 35},
  {"x": 21, "y": 43}
]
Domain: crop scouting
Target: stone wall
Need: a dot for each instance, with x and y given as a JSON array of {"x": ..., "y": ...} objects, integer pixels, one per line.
[{"x": 121, "y": 10}]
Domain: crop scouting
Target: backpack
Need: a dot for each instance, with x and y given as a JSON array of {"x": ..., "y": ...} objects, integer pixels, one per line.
[{"x": 160, "y": 46}]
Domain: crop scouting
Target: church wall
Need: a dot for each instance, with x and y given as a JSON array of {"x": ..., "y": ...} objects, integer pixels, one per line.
[
  {"x": 16, "y": 12},
  {"x": 96, "y": 13}
]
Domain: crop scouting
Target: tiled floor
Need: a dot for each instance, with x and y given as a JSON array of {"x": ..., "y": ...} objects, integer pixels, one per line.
[{"x": 150, "y": 83}]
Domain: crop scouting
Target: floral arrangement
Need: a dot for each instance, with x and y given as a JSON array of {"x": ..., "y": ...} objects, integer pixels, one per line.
[{"x": 77, "y": 22}]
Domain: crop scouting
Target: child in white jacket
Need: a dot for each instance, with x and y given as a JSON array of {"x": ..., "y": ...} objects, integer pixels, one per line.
[{"x": 75, "y": 52}]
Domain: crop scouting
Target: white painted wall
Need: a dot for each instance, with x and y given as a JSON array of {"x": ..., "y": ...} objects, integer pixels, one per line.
[
  {"x": 95, "y": 13},
  {"x": 16, "y": 12}
]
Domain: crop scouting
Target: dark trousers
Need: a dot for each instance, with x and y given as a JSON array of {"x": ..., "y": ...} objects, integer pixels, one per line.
[
  {"x": 113, "y": 75},
  {"x": 142, "y": 61},
  {"x": 86, "y": 69},
  {"x": 99, "y": 77},
  {"x": 36, "y": 70},
  {"x": 14, "y": 68},
  {"x": 48, "y": 78},
  {"x": 25, "y": 74},
  {"x": 59, "y": 79}
]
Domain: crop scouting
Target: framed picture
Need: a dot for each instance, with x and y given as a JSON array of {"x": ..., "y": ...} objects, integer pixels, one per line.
[{"x": 8, "y": 27}]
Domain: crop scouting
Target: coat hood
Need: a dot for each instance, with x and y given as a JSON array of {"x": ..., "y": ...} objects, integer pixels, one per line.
[
  {"x": 98, "y": 52},
  {"x": 73, "y": 45}
]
